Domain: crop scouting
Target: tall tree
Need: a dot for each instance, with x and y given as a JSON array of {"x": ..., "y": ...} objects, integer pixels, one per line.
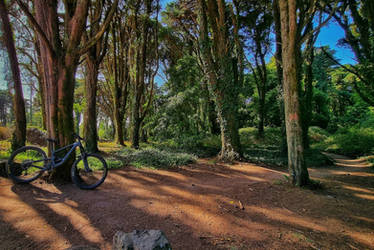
[
  {"x": 60, "y": 51},
  {"x": 296, "y": 18},
  {"x": 93, "y": 59},
  {"x": 257, "y": 21},
  {"x": 296, "y": 162},
  {"x": 222, "y": 67},
  {"x": 356, "y": 19},
  {"x": 19, "y": 134},
  {"x": 116, "y": 72},
  {"x": 143, "y": 62}
]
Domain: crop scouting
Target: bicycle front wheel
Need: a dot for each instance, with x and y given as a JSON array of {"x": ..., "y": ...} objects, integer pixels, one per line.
[
  {"x": 26, "y": 164},
  {"x": 89, "y": 172}
]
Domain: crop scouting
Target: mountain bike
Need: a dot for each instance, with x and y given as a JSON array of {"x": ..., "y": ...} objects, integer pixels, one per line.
[{"x": 29, "y": 162}]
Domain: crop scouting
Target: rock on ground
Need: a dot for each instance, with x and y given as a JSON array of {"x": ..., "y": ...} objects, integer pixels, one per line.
[{"x": 141, "y": 240}]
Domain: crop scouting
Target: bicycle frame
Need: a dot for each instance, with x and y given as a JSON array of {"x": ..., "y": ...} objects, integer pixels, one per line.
[{"x": 53, "y": 164}]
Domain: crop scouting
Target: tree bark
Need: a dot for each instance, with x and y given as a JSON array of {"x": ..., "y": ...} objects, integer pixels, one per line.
[
  {"x": 278, "y": 58},
  {"x": 19, "y": 134},
  {"x": 59, "y": 67},
  {"x": 221, "y": 68},
  {"x": 296, "y": 163},
  {"x": 90, "y": 115}
]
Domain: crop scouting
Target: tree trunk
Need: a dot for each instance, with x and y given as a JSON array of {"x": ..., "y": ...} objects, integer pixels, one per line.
[
  {"x": 40, "y": 70},
  {"x": 308, "y": 93},
  {"x": 59, "y": 67},
  {"x": 118, "y": 127},
  {"x": 296, "y": 163},
  {"x": 66, "y": 84},
  {"x": 19, "y": 134},
  {"x": 221, "y": 68},
  {"x": 278, "y": 58},
  {"x": 90, "y": 116},
  {"x": 227, "y": 106},
  {"x": 261, "y": 113}
]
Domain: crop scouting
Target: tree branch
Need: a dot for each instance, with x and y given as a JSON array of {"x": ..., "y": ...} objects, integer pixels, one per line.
[
  {"x": 36, "y": 26},
  {"x": 100, "y": 33}
]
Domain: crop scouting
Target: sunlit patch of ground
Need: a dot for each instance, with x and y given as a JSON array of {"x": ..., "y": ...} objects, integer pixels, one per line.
[{"x": 207, "y": 205}]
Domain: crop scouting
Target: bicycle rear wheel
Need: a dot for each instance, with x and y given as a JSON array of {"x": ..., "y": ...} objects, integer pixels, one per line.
[
  {"x": 26, "y": 164},
  {"x": 89, "y": 172}
]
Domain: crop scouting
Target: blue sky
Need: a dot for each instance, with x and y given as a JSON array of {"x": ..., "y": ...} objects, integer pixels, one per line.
[{"x": 330, "y": 35}]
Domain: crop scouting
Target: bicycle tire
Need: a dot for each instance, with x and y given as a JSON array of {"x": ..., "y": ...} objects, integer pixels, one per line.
[
  {"x": 92, "y": 178},
  {"x": 25, "y": 164}
]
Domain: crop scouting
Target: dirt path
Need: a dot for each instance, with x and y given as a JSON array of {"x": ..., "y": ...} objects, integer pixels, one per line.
[{"x": 200, "y": 206}]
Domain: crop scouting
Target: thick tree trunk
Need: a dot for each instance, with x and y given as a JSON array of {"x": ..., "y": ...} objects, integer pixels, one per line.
[
  {"x": 19, "y": 134},
  {"x": 296, "y": 163},
  {"x": 118, "y": 127},
  {"x": 222, "y": 71},
  {"x": 66, "y": 84},
  {"x": 90, "y": 116},
  {"x": 227, "y": 107},
  {"x": 278, "y": 58},
  {"x": 59, "y": 69}
]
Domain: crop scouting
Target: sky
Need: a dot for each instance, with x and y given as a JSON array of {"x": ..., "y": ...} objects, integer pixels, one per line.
[{"x": 329, "y": 35}]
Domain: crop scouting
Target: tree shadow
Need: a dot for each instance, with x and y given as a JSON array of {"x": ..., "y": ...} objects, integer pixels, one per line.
[{"x": 198, "y": 207}]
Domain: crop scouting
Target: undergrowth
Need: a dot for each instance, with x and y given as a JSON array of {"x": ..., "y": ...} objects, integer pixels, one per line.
[{"x": 154, "y": 158}]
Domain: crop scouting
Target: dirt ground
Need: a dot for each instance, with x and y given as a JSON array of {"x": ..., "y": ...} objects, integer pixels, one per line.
[{"x": 206, "y": 205}]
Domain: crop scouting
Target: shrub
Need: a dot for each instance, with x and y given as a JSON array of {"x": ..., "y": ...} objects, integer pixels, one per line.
[
  {"x": 249, "y": 137},
  {"x": 36, "y": 136},
  {"x": 5, "y": 149},
  {"x": 200, "y": 145},
  {"x": 155, "y": 158},
  {"x": 353, "y": 141},
  {"x": 5, "y": 133},
  {"x": 317, "y": 134}
]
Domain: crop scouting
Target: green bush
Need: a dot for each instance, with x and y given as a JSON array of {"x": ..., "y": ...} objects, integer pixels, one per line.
[
  {"x": 200, "y": 145},
  {"x": 352, "y": 141},
  {"x": 273, "y": 156},
  {"x": 317, "y": 134},
  {"x": 249, "y": 137},
  {"x": 155, "y": 158}
]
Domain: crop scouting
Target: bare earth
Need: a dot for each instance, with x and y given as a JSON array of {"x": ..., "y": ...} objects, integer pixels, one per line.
[{"x": 206, "y": 205}]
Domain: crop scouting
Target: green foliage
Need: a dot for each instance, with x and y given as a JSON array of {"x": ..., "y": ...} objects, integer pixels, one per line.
[
  {"x": 317, "y": 134},
  {"x": 249, "y": 137},
  {"x": 353, "y": 141},
  {"x": 200, "y": 145},
  {"x": 267, "y": 150},
  {"x": 5, "y": 149},
  {"x": 113, "y": 163},
  {"x": 154, "y": 158},
  {"x": 105, "y": 132}
]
